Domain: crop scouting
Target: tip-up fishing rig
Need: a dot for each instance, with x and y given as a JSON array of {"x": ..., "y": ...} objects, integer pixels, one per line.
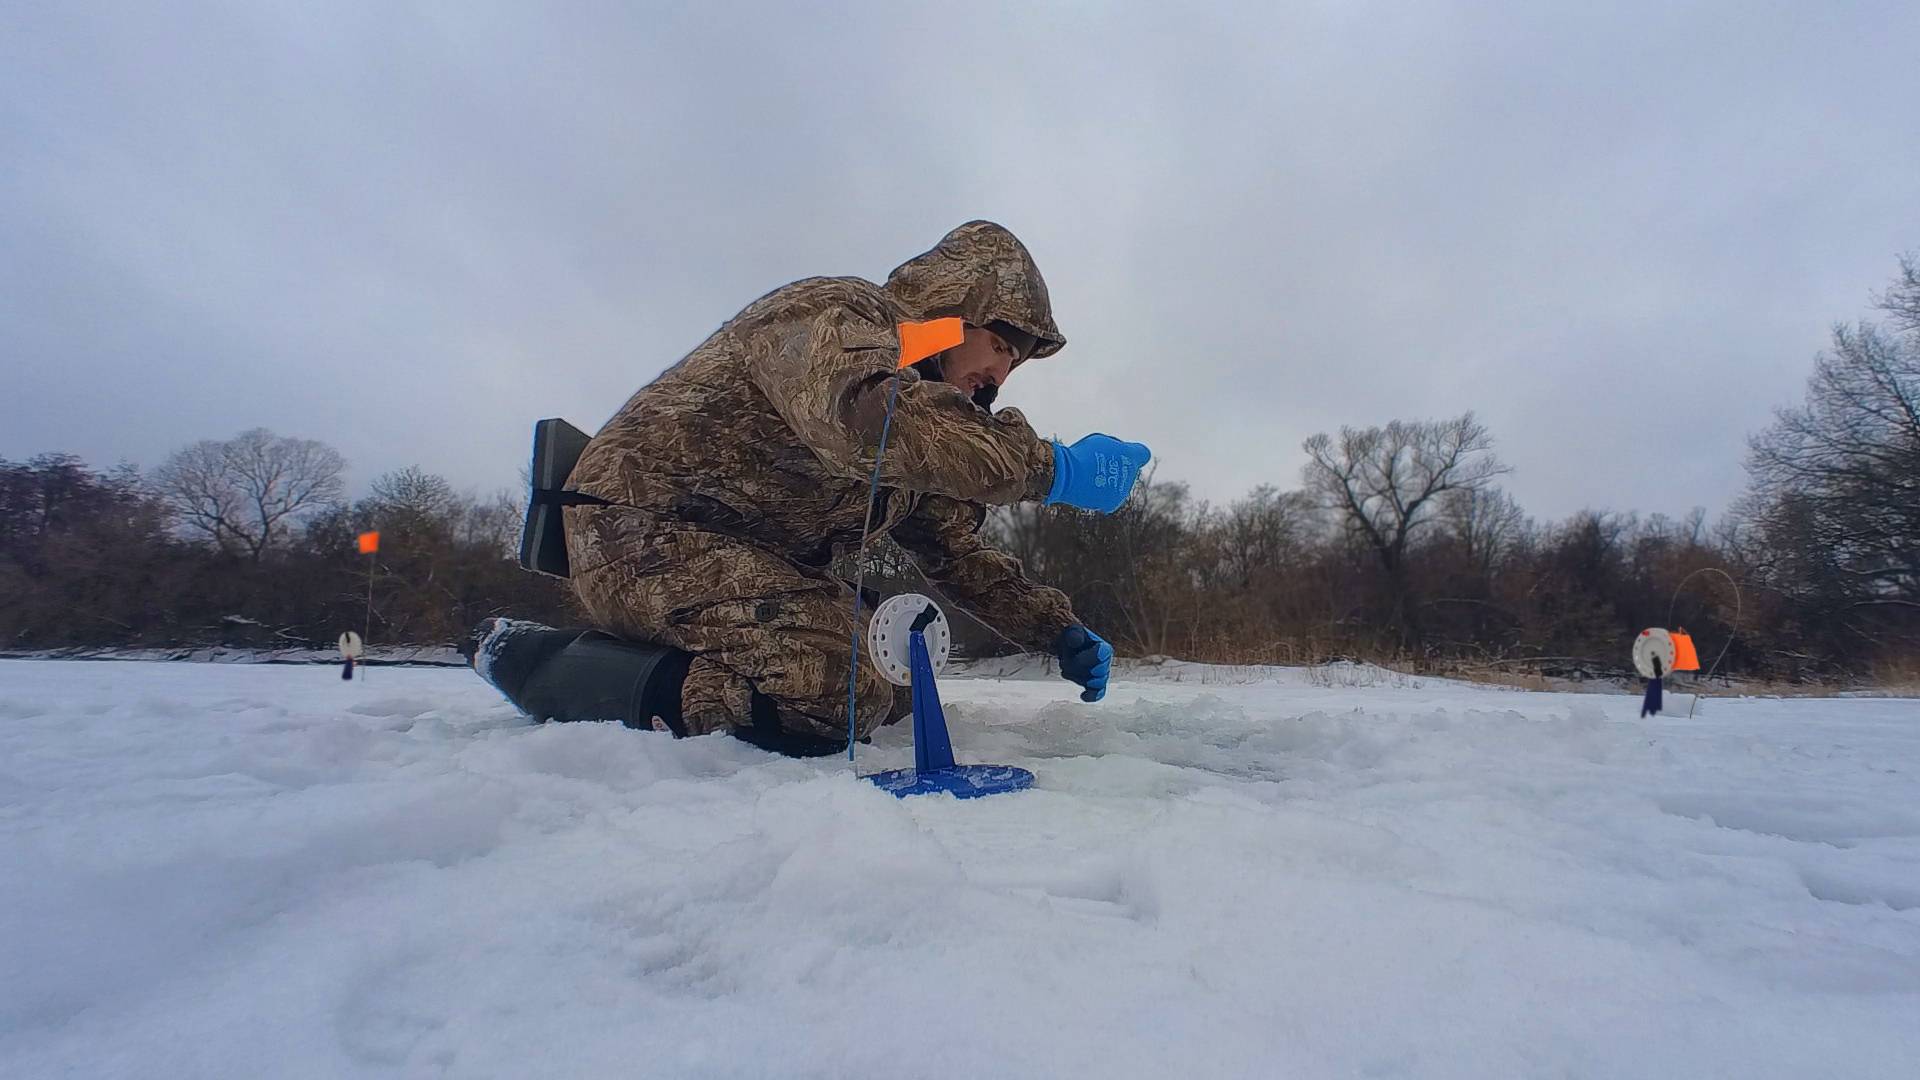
[
  {"x": 1658, "y": 653},
  {"x": 909, "y": 635}
]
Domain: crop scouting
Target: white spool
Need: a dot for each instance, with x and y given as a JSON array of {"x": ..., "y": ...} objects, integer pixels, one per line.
[
  {"x": 1653, "y": 642},
  {"x": 889, "y": 634}
]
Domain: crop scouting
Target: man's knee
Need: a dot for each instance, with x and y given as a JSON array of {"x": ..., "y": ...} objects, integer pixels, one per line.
[
  {"x": 817, "y": 704},
  {"x": 801, "y": 697}
]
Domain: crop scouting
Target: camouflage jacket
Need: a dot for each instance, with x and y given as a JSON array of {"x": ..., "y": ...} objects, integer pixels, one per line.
[{"x": 768, "y": 430}]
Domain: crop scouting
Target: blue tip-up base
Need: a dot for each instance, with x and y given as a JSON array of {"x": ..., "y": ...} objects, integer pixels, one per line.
[
  {"x": 960, "y": 781},
  {"x": 933, "y": 768}
]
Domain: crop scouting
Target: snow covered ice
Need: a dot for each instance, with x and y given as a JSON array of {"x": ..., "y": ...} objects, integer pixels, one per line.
[{"x": 246, "y": 871}]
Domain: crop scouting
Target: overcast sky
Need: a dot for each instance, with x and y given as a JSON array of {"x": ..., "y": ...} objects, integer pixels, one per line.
[{"x": 1618, "y": 232}]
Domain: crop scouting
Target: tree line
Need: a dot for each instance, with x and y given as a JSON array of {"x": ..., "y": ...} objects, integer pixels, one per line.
[
  {"x": 249, "y": 542},
  {"x": 1398, "y": 543}
]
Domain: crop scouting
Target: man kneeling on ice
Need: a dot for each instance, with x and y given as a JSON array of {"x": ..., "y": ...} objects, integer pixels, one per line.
[{"x": 699, "y": 525}]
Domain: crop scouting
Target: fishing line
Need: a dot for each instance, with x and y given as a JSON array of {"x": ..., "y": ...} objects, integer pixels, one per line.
[
  {"x": 860, "y": 572},
  {"x": 1731, "y": 630}
]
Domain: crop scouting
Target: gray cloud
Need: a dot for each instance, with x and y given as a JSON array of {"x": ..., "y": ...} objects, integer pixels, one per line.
[{"x": 1618, "y": 234}]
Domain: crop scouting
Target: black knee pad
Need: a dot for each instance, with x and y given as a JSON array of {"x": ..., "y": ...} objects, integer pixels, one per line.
[{"x": 588, "y": 675}]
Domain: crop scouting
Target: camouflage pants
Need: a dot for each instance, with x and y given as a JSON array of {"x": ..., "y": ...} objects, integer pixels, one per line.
[{"x": 752, "y": 620}]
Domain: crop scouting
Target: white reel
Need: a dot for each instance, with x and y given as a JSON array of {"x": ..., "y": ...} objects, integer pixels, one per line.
[
  {"x": 1653, "y": 642},
  {"x": 889, "y": 633}
]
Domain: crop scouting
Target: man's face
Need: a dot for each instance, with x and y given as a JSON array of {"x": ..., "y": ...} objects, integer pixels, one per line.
[{"x": 979, "y": 365}]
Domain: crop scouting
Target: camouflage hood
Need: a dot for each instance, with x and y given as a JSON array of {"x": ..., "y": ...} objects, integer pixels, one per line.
[{"x": 981, "y": 273}]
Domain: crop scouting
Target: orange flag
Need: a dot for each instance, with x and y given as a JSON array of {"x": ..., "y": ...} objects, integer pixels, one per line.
[
  {"x": 369, "y": 542},
  {"x": 1684, "y": 656}
]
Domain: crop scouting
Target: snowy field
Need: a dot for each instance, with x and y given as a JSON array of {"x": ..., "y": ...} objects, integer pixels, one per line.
[{"x": 242, "y": 871}]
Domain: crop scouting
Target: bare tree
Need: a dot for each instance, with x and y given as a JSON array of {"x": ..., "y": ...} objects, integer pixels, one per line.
[
  {"x": 494, "y": 524},
  {"x": 1840, "y": 473},
  {"x": 247, "y": 492},
  {"x": 1383, "y": 482},
  {"x": 1264, "y": 532},
  {"x": 1485, "y": 522},
  {"x": 412, "y": 498},
  {"x": 1902, "y": 301}
]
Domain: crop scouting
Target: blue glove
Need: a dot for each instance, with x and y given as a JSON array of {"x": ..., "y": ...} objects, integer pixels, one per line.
[
  {"x": 1085, "y": 658},
  {"x": 1096, "y": 473}
]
